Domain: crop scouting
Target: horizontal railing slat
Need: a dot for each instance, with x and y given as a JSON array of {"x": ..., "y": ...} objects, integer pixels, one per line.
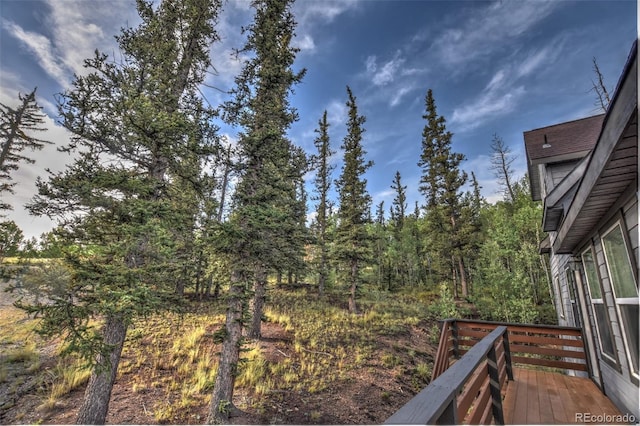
[
  {"x": 471, "y": 390},
  {"x": 539, "y": 350},
  {"x": 549, "y": 363},
  {"x": 482, "y": 402},
  {"x": 520, "y": 338}
]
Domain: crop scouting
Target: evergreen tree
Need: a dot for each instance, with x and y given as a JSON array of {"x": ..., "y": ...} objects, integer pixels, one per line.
[
  {"x": 260, "y": 106},
  {"x": 470, "y": 235},
  {"x": 399, "y": 204},
  {"x": 15, "y": 126},
  {"x": 137, "y": 127},
  {"x": 322, "y": 183},
  {"x": 352, "y": 245},
  {"x": 296, "y": 235},
  {"x": 381, "y": 258},
  {"x": 440, "y": 184},
  {"x": 11, "y": 237},
  {"x": 401, "y": 259}
]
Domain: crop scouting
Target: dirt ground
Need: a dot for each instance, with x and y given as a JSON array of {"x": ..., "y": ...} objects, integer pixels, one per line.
[{"x": 368, "y": 395}]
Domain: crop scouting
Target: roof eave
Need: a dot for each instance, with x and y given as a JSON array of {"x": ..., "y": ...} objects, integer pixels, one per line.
[{"x": 623, "y": 108}]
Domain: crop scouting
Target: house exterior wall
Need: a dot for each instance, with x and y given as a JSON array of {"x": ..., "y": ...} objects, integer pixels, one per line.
[
  {"x": 621, "y": 392},
  {"x": 617, "y": 381},
  {"x": 613, "y": 376},
  {"x": 558, "y": 171}
]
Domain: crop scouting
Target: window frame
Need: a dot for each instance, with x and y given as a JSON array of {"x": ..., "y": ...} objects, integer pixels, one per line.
[
  {"x": 611, "y": 359},
  {"x": 573, "y": 297},
  {"x": 620, "y": 223}
]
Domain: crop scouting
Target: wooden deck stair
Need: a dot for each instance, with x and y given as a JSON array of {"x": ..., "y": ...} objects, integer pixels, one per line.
[{"x": 500, "y": 373}]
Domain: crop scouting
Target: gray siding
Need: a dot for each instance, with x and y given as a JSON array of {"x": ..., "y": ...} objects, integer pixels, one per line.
[
  {"x": 622, "y": 392},
  {"x": 617, "y": 382},
  {"x": 557, "y": 171}
]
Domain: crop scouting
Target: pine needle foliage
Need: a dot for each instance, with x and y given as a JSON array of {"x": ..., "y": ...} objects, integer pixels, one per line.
[
  {"x": 263, "y": 231},
  {"x": 352, "y": 241},
  {"x": 17, "y": 126},
  {"x": 138, "y": 129},
  {"x": 440, "y": 184},
  {"x": 322, "y": 182}
]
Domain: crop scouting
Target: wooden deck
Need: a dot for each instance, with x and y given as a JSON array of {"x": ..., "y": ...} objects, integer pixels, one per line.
[{"x": 540, "y": 397}]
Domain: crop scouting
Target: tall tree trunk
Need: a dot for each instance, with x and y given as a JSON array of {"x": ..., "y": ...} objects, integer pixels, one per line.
[
  {"x": 354, "y": 287},
  {"x": 225, "y": 183},
  {"x": 322, "y": 279},
  {"x": 454, "y": 277},
  {"x": 257, "y": 303},
  {"x": 222, "y": 398},
  {"x": 463, "y": 277},
  {"x": 98, "y": 393}
]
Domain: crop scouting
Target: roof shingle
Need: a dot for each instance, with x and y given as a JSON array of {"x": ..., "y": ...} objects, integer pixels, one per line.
[{"x": 562, "y": 139}]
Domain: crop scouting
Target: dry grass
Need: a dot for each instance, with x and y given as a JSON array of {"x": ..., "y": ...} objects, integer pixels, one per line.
[{"x": 172, "y": 359}]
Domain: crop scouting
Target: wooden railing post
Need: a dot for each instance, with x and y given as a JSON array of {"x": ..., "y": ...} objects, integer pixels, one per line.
[
  {"x": 450, "y": 414},
  {"x": 494, "y": 384},
  {"x": 507, "y": 354}
]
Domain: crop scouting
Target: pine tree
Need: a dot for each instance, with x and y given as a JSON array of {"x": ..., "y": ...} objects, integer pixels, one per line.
[
  {"x": 352, "y": 246},
  {"x": 260, "y": 106},
  {"x": 322, "y": 183},
  {"x": 137, "y": 128},
  {"x": 440, "y": 184},
  {"x": 399, "y": 204},
  {"x": 11, "y": 237},
  {"x": 16, "y": 124}
]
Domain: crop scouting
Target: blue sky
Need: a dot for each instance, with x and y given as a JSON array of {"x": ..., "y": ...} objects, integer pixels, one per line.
[{"x": 495, "y": 67}]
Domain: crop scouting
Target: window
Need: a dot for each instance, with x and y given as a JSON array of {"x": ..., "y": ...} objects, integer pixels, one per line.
[
  {"x": 625, "y": 290},
  {"x": 603, "y": 324},
  {"x": 572, "y": 297}
]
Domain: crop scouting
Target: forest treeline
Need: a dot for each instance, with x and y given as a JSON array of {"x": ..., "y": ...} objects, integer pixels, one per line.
[{"x": 156, "y": 204}]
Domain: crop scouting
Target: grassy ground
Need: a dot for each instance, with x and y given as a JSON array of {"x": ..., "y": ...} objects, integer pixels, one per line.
[{"x": 316, "y": 363}]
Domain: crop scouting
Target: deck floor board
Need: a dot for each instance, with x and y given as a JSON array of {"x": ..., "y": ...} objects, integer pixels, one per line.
[{"x": 540, "y": 397}]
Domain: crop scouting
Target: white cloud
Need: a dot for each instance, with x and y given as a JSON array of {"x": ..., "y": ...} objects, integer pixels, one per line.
[
  {"x": 312, "y": 14},
  {"x": 25, "y": 178},
  {"x": 483, "y": 30},
  {"x": 539, "y": 58},
  {"x": 385, "y": 74},
  {"x": 325, "y": 11},
  {"x": 489, "y": 104},
  {"x": 42, "y": 48},
  {"x": 76, "y": 29},
  {"x": 399, "y": 94},
  {"x": 505, "y": 89},
  {"x": 336, "y": 113},
  {"x": 305, "y": 43}
]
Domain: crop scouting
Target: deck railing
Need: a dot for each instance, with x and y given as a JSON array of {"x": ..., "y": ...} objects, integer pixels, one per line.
[
  {"x": 538, "y": 345},
  {"x": 470, "y": 391},
  {"x": 474, "y": 361}
]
